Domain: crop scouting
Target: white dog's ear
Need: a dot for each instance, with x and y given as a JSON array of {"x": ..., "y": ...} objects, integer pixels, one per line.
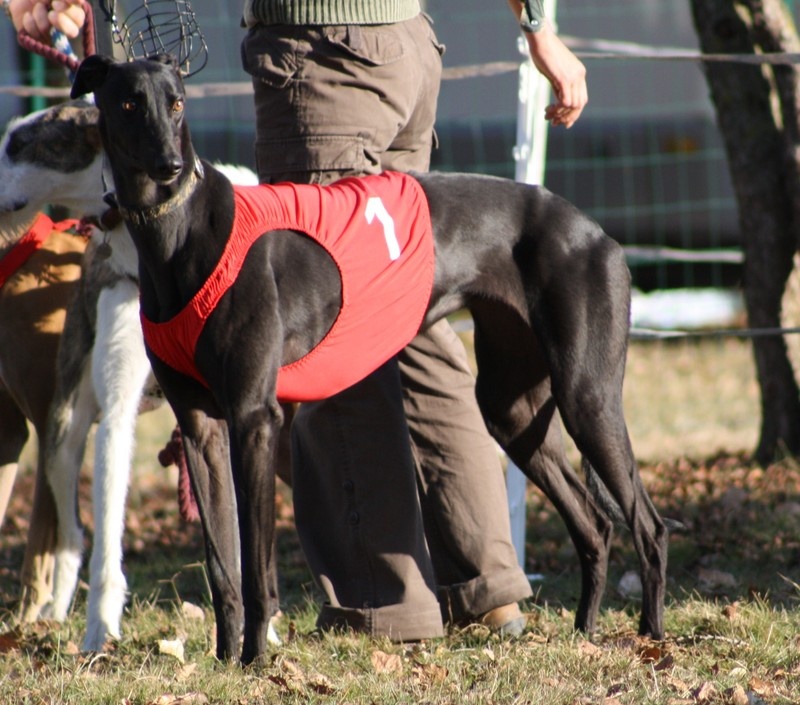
[{"x": 90, "y": 75}]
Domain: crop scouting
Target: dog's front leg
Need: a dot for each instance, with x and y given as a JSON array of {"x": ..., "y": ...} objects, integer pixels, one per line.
[
  {"x": 72, "y": 413},
  {"x": 119, "y": 370},
  {"x": 254, "y": 437},
  {"x": 207, "y": 451}
]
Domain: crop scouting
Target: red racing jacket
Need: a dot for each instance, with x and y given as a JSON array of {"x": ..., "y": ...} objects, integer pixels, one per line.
[
  {"x": 376, "y": 229},
  {"x": 34, "y": 239}
]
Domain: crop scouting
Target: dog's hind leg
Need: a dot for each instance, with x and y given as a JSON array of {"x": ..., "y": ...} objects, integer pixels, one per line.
[
  {"x": 514, "y": 395},
  {"x": 38, "y": 566},
  {"x": 586, "y": 346},
  {"x": 119, "y": 370}
]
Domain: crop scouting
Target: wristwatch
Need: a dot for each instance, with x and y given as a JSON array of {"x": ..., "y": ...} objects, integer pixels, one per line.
[{"x": 532, "y": 18}]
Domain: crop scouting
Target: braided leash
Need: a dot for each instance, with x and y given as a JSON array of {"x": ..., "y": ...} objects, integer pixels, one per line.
[{"x": 61, "y": 51}]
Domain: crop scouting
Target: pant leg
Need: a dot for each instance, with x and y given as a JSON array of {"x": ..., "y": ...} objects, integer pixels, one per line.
[
  {"x": 358, "y": 513},
  {"x": 462, "y": 487}
]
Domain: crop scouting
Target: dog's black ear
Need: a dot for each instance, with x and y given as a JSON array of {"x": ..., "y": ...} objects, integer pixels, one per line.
[{"x": 90, "y": 75}]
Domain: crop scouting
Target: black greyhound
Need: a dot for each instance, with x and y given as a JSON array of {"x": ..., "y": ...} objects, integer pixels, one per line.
[{"x": 549, "y": 293}]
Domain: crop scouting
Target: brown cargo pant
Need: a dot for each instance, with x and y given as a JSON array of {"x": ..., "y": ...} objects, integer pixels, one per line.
[{"x": 393, "y": 551}]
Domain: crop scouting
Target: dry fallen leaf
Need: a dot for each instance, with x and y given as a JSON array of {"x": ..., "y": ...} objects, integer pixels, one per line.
[
  {"x": 650, "y": 654},
  {"x": 171, "y": 647},
  {"x": 9, "y": 642},
  {"x": 667, "y": 662},
  {"x": 761, "y": 687},
  {"x": 186, "y": 671},
  {"x": 738, "y": 672},
  {"x": 430, "y": 672},
  {"x": 730, "y": 611},
  {"x": 321, "y": 685},
  {"x": 386, "y": 663},
  {"x": 280, "y": 681},
  {"x": 737, "y": 696},
  {"x": 292, "y": 669},
  {"x": 705, "y": 692},
  {"x": 678, "y": 685}
]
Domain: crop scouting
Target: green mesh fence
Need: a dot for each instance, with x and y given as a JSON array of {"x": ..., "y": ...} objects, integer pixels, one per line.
[{"x": 646, "y": 159}]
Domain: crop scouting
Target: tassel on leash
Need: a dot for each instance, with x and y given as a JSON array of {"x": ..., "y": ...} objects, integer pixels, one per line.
[
  {"x": 62, "y": 45},
  {"x": 172, "y": 454}
]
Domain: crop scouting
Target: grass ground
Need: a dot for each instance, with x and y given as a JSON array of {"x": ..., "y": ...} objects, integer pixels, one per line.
[{"x": 732, "y": 619}]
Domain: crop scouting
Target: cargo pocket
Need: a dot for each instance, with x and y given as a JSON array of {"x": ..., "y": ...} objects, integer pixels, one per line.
[
  {"x": 336, "y": 154},
  {"x": 440, "y": 48},
  {"x": 268, "y": 58},
  {"x": 368, "y": 44}
]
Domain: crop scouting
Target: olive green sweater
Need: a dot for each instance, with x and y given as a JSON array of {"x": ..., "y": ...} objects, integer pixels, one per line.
[
  {"x": 332, "y": 12},
  {"x": 329, "y": 12}
]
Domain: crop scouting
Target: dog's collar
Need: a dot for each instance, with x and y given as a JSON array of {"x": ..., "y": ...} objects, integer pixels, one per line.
[{"x": 140, "y": 216}]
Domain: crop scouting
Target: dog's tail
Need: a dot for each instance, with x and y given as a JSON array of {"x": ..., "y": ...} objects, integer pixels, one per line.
[{"x": 609, "y": 505}]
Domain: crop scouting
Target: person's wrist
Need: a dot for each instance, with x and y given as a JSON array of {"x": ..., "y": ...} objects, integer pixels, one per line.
[{"x": 542, "y": 38}]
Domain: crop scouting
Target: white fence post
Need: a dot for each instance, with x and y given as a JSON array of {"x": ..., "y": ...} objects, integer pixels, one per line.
[{"x": 529, "y": 155}]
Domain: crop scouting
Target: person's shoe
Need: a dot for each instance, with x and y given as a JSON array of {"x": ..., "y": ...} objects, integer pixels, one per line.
[{"x": 506, "y": 620}]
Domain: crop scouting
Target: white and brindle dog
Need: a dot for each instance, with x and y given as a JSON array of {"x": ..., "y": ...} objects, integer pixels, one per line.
[
  {"x": 89, "y": 368},
  {"x": 99, "y": 374},
  {"x": 549, "y": 293},
  {"x": 40, "y": 269}
]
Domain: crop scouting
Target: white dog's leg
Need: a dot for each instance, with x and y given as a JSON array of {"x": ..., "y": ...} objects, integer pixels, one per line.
[
  {"x": 119, "y": 369},
  {"x": 8, "y": 473},
  {"x": 68, "y": 428}
]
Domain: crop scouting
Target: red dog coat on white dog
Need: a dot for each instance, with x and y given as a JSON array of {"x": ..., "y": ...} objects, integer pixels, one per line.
[{"x": 377, "y": 230}]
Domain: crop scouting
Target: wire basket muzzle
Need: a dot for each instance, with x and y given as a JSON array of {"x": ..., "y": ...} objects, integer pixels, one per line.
[{"x": 161, "y": 27}]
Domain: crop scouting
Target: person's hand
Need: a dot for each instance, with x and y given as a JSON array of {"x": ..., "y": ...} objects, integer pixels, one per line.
[
  {"x": 38, "y": 17},
  {"x": 565, "y": 72}
]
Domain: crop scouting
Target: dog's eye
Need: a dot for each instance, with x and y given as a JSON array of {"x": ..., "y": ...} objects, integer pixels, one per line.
[
  {"x": 177, "y": 106},
  {"x": 129, "y": 105}
]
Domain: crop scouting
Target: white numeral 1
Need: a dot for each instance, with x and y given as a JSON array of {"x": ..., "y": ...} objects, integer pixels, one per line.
[{"x": 374, "y": 208}]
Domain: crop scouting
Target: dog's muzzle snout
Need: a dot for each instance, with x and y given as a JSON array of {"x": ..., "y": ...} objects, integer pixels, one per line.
[{"x": 168, "y": 169}]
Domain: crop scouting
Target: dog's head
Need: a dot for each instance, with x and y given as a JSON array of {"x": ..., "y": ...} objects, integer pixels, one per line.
[
  {"x": 52, "y": 156},
  {"x": 141, "y": 114}
]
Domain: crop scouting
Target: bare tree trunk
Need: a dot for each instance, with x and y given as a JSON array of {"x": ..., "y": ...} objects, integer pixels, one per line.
[{"x": 757, "y": 112}]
